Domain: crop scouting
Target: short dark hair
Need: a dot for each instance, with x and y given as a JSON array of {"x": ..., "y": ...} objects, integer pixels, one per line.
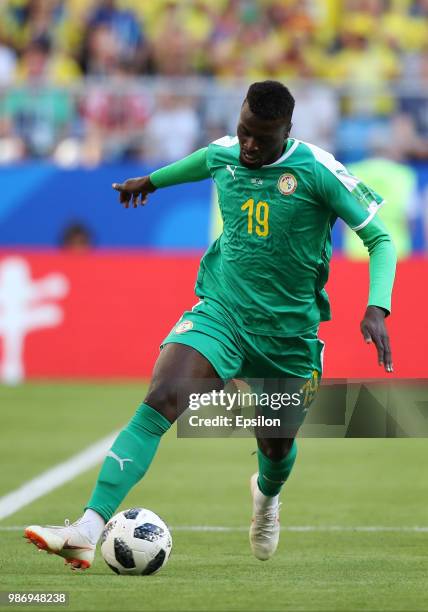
[{"x": 270, "y": 100}]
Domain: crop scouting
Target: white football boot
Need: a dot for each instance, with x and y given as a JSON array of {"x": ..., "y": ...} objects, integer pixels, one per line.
[
  {"x": 265, "y": 528},
  {"x": 67, "y": 542}
]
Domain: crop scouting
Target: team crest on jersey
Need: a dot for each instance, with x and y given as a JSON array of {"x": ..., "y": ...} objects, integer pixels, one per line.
[
  {"x": 184, "y": 326},
  {"x": 287, "y": 184}
]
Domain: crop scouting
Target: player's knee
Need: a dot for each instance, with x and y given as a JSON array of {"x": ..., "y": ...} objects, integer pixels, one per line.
[
  {"x": 163, "y": 397},
  {"x": 275, "y": 449}
]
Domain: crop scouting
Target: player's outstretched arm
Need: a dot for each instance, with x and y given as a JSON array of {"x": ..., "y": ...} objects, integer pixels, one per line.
[
  {"x": 187, "y": 170},
  {"x": 382, "y": 272}
]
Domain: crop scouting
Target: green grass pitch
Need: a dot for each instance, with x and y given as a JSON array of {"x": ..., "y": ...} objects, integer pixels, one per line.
[{"x": 336, "y": 483}]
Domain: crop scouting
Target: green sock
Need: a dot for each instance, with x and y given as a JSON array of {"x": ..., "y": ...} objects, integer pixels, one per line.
[
  {"x": 128, "y": 460},
  {"x": 273, "y": 474}
]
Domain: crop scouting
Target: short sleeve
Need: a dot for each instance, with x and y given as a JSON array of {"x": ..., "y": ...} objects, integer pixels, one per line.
[
  {"x": 217, "y": 149},
  {"x": 346, "y": 194}
]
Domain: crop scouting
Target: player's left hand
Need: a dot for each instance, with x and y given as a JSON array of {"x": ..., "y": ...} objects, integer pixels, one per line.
[{"x": 374, "y": 330}]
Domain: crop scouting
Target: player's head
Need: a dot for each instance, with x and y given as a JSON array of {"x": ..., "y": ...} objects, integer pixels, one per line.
[{"x": 264, "y": 123}]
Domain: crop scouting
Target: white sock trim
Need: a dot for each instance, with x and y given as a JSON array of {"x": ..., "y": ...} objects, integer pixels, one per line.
[
  {"x": 263, "y": 501},
  {"x": 91, "y": 524}
]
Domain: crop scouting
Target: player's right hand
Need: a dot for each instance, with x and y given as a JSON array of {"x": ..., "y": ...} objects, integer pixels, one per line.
[{"x": 135, "y": 189}]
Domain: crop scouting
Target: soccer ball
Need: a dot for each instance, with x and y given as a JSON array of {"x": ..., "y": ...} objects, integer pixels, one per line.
[{"x": 136, "y": 542}]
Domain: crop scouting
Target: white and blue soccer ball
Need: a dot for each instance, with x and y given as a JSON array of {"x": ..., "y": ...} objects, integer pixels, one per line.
[{"x": 136, "y": 542}]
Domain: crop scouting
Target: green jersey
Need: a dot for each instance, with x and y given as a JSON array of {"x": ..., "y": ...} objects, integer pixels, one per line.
[{"x": 270, "y": 264}]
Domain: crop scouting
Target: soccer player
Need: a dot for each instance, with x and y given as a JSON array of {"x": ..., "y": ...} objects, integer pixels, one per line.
[{"x": 262, "y": 297}]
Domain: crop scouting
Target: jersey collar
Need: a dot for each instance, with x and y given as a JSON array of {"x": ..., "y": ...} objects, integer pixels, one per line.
[{"x": 292, "y": 145}]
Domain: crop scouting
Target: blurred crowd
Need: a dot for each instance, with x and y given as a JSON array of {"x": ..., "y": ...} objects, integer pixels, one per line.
[{"x": 71, "y": 86}]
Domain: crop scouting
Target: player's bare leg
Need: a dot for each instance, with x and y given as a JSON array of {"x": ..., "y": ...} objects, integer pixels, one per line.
[
  {"x": 276, "y": 458},
  {"x": 179, "y": 371}
]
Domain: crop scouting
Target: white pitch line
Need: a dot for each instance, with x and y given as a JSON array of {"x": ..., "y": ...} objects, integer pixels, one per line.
[
  {"x": 54, "y": 477},
  {"x": 305, "y": 528},
  {"x": 291, "y": 528}
]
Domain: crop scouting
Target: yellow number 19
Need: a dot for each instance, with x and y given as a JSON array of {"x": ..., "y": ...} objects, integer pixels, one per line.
[{"x": 262, "y": 217}]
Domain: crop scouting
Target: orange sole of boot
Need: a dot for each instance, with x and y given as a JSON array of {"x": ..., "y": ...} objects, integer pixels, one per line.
[{"x": 34, "y": 538}]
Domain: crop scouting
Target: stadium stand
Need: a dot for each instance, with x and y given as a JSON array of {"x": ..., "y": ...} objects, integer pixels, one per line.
[{"x": 85, "y": 82}]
